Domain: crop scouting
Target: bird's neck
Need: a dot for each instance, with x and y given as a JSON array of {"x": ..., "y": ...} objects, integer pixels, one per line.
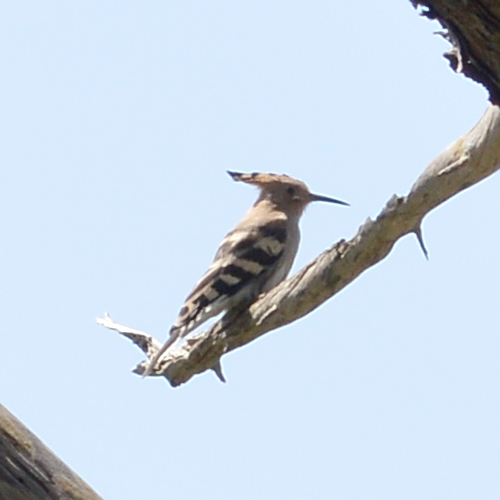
[{"x": 269, "y": 209}]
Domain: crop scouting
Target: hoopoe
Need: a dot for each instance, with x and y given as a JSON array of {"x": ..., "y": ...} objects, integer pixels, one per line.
[{"x": 253, "y": 258}]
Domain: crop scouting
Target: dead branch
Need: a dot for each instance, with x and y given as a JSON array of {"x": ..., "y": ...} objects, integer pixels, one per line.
[
  {"x": 473, "y": 28},
  {"x": 467, "y": 161}
]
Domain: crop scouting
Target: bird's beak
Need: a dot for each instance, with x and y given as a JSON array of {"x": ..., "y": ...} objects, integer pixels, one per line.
[{"x": 319, "y": 197}]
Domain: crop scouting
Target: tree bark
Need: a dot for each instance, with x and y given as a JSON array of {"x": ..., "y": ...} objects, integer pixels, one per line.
[
  {"x": 473, "y": 27},
  {"x": 30, "y": 471}
]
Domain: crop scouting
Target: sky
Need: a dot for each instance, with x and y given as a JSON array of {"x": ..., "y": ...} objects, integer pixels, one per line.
[{"x": 118, "y": 123}]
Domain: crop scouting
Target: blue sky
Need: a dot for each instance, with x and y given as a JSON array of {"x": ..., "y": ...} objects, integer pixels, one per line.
[{"x": 119, "y": 120}]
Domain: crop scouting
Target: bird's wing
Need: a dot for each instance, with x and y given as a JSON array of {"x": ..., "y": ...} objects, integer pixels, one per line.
[{"x": 244, "y": 257}]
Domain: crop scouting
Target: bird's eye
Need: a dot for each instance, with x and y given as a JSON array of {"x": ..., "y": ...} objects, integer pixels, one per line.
[{"x": 291, "y": 191}]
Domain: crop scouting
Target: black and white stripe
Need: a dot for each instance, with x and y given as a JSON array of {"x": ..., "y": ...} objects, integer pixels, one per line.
[{"x": 242, "y": 264}]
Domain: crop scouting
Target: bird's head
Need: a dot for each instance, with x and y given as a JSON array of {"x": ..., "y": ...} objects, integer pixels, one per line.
[{"x": 285, "y": 192}]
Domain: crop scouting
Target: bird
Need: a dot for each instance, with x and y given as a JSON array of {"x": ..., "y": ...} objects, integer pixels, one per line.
[{"x": 252, "y": 258}]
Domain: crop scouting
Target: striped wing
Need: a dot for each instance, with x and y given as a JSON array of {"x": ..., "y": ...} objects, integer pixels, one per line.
[{"x": 244, "y": 262}]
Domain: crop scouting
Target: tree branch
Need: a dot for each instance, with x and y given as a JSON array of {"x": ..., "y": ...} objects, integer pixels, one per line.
[
  {"x": 467, "y": 161},
  {"x": 473, "y": 27},
  {"x": 30, "y": 471}
]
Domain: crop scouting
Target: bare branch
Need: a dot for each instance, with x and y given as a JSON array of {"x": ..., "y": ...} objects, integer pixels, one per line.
[
  {"x": 473, "y": 29},
  {"x": 467, "y": 161}
]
